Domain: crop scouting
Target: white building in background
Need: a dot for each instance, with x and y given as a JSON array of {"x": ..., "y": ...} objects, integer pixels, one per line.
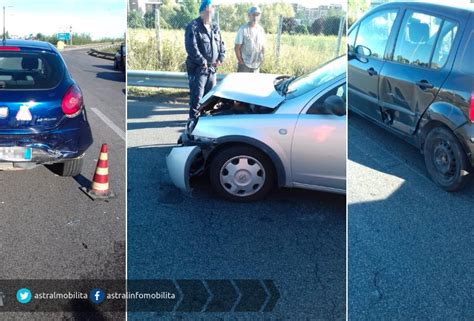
[
  {"x": 142, "y": 6},
  {"x": 310, "y": 14}
]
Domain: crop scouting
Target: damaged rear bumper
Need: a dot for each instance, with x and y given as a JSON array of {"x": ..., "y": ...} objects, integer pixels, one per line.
[
  {"x": 465, "y": 134},
  {"x": 55, "y": 146}
]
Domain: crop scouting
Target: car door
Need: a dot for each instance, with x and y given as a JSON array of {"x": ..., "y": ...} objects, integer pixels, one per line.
[
  {"x": 420, "y": 63},
  {"x": 372, "y": 32},
  {"x": 318, "y": 154}
]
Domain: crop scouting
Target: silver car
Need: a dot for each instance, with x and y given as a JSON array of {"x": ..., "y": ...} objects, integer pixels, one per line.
[{"x": 257, "y": 131}]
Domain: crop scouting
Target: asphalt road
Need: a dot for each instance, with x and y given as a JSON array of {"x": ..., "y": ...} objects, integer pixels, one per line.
[
  {"x": 410, "y": 243},
  {"x": 49, "y": 229},
  {"x": 295, "y": 237}
]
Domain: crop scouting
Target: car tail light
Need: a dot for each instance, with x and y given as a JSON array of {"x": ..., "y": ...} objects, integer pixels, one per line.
[
  {"x": 72, "y": 101},
  {"x": 9, "y": 48},
  {"x": 471, "y": 108}
]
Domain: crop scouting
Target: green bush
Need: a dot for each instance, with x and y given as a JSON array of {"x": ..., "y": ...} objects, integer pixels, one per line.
[{"x": 135, "y": 20}]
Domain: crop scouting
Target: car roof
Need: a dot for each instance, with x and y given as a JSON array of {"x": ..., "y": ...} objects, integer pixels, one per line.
[
  {"x": 445, "y": 8},
  {"x": 28, "y": 44}
]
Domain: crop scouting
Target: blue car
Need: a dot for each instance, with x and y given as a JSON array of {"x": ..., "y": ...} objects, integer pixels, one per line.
[{"x": 43, "y": 119}]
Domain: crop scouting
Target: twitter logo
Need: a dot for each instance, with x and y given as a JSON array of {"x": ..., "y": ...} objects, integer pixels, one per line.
[{"x": 23, "y": 295}]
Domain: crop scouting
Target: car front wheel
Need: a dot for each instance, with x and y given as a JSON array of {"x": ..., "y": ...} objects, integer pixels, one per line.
[
  {"x": 242, "y": 174},
  {"x": 445, "y": 159}
]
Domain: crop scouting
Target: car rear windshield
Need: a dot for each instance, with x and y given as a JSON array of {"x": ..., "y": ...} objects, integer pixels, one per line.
[{"x": 30, "y": 70}]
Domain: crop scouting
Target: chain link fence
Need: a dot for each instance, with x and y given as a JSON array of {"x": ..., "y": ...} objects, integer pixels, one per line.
[{"x": 298, "y": 39}]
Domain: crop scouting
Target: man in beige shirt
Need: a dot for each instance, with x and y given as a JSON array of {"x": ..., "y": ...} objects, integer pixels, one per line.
[{"x": 250, "y": 43}]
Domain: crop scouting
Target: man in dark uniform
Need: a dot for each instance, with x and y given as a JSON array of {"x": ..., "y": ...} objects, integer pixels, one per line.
[{"x": 206, "y": 52}]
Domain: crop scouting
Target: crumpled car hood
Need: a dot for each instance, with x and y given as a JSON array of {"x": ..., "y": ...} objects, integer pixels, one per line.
[{"x": 249, "y": 88}]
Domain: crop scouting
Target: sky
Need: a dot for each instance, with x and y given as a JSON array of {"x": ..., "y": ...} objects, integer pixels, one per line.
[{"x": 99, "y": 18}]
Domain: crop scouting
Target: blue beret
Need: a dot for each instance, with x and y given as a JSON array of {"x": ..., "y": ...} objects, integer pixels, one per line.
[{"x": 204, "y": 4}]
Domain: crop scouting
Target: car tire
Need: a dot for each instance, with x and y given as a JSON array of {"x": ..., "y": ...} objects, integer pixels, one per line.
[
  {"x": 254, "y": 175},
  {"x": 445, "y": 160},
  {"x": 69, "y": 168}
]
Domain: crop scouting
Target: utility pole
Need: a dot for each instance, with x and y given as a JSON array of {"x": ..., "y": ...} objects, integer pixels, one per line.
[
  {"x": 156, "y": 8},
  {"x": 4, "y": 36},
  {"x": 70, "y": 35}
]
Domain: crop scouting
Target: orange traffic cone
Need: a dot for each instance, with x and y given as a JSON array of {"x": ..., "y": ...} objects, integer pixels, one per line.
[{"x": 100, "y": 183}]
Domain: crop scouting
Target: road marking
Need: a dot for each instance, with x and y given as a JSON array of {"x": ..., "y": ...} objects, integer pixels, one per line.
[{"x": 109, "y": 123}]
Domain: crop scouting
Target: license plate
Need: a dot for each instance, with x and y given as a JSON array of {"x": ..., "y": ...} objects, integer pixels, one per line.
[{"x": 15, "y": 154}]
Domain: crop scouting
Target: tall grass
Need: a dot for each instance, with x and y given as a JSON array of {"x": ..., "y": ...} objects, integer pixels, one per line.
[{"x": 298, "y": 53}]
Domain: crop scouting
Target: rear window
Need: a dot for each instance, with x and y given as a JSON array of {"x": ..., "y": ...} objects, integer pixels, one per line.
[{"x": 30, "y": 70}]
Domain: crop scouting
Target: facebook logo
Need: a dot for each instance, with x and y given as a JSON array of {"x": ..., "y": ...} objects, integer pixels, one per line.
[
  {"x": 97, "y": 296},
  {"x": 2, "y": 297}
]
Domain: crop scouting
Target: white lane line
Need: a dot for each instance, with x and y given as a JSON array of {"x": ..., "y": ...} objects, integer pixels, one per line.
[{"x": 109, "y": 123}]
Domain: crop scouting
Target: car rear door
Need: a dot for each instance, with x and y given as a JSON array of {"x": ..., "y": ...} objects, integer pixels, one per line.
[
  {"x": 419, "y": 63},
  {"x": 318, "y": 154},
  {"x": 372, "y": 32}
]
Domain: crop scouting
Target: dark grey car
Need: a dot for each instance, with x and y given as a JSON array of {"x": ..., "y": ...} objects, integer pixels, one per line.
[{"x": 411, "y": 70}]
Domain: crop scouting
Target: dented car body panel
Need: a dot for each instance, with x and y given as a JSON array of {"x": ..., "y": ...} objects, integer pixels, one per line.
[
  {"x": 253, "y": 88},
  {"x": 306, "y": 149},
  {"x": 409, "y": 99},
  {"x": 31, "y": 115}
]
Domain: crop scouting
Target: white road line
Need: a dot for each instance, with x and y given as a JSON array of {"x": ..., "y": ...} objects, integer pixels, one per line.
[{"x": 109, "y": 123}]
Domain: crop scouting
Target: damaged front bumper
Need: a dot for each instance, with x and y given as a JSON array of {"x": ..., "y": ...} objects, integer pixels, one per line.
[
  {"x": 188, "y": 160},
  {"x": 179, "y": 163}
]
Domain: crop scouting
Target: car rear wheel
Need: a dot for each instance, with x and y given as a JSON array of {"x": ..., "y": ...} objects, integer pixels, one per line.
[
  {"x": 241, "y": 174},
  {"x": 445, "y": 159},
  {"x": 69, "y": 168}
]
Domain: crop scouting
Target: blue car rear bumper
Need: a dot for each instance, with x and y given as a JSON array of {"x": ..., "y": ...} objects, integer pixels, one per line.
[{"x": 69, "y": 140}]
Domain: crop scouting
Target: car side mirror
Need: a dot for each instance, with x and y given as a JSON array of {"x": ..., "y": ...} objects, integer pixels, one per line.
[
  {"x": 335, "y": 105},
  {"x": 363, "y": 51}
]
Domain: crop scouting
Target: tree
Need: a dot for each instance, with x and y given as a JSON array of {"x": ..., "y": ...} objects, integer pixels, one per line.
[
  {"x": 289, "y": 25},
  {"x": 188, "y": 11},
  {"x": 135, "y": 20},
  {"x": 317, "y": 27},
  {"x": 356, "y": 8},
  {"x": 149, "y": 19},
  {"x": 168, "y": 11},
  {"x": 231, "y": 17},
  {"x": 301, "y": 29},
  {"x": 271, "y": 12},
  {"x": 331, "y": 25}
]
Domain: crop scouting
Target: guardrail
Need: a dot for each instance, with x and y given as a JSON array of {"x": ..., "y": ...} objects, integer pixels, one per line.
[
  {"x": 100, "y": 54},
  {"x": 163, "y": 79},
  {"x": 88, "y": 46}
]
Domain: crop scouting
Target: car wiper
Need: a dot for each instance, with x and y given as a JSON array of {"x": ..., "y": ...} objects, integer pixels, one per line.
[
  {"x": 277, "y": 83},
  {"x": 286, "y": 84}
]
